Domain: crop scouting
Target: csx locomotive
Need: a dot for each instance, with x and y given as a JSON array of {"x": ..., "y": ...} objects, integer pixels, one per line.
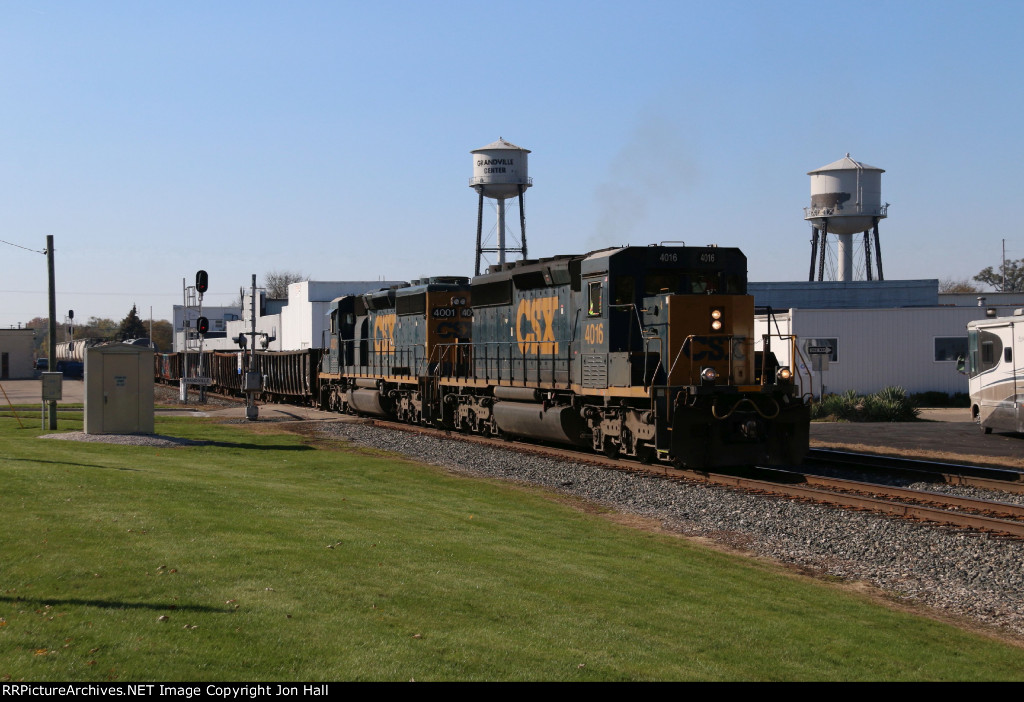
[{"x": 640, "y": 351}]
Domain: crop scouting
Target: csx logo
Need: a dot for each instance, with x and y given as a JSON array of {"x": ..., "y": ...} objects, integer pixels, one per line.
[
  {"x": 384, "y": 333},
  {"x": 535, "y": 326},
  {"x": 710, "y": 348}
]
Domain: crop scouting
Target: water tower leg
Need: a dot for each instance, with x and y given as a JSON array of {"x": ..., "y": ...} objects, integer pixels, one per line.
[
  {"x": 867, "y": 255},
  {"x": 501, "y": 231},
  {"x": 522, "y": 217},
  {"x": 821, "y": 252},
  {"x": 814, "y": 253},
  {"x": 878, "y": 252},
  {"x": 479, "y": 228},
  {"x": 844, "y": 252}
]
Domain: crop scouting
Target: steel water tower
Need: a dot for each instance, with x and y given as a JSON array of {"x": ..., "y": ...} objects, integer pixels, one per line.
[
  {"x": 500, "y": 172},
  {"x": 846, "y": 199}
]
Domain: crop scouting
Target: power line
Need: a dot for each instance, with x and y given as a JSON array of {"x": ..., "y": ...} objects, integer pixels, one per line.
[{"x": 22, "y": 247}]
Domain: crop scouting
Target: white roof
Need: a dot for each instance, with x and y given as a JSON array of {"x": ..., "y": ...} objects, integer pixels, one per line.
[
  {"x": 500, "y": 144},
  {"x": 846, "y": 164}
]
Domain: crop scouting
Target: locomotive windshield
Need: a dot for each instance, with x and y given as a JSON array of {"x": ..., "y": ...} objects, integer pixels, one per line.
[{"x": 692, "y": 282}]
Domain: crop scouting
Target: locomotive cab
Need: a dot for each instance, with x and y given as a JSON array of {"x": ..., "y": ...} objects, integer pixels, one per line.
[{"x": 668, "y": 332}]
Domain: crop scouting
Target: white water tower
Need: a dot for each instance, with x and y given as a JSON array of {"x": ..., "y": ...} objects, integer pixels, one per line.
[
  {"x": 500, "y": 172},
  {"x": 846, "y": 199}
]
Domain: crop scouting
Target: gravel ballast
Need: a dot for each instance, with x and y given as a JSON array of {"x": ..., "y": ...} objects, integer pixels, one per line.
[{"x": 957, "y": 572}]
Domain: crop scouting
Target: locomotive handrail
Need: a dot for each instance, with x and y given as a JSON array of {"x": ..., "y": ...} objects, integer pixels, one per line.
[{"x": 691, "y": 337}]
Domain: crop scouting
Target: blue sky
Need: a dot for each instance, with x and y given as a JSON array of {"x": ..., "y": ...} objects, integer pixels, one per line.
[{"x": 333, "y": 138}]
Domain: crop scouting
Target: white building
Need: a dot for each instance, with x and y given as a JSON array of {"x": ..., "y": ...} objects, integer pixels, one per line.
[
  {"x": 16, "y": 354},
  {"x": 300, "y": 322},
  {"x": 868, "y": 349}
]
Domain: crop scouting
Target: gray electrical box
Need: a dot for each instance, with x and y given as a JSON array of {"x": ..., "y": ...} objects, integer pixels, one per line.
[{"x": 119, "y": 389}]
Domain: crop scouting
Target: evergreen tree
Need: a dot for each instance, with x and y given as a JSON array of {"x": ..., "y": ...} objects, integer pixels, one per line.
[{"x": 131, "y": 327}]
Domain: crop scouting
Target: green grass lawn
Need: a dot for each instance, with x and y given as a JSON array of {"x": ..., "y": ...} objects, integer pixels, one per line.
[{"x": 272, "y": 558}]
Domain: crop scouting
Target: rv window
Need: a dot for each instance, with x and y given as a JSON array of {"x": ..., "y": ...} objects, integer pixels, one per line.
[
  {"x": 991, "y": 348},
  {"x": 1008, "y": 355},
  {"x": 987, "y": 354}
]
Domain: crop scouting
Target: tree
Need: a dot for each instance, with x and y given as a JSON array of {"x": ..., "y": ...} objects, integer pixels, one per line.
[
  {"x": 131, "y": 327},
  {"x": 277, "y": 282},
  {"x": 163, "y": 335},
  {"x": 952, "y": 285},
  {"x": 1014, "y": 274}
]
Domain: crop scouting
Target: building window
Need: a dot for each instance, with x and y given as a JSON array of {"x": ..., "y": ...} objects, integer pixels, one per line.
[
  {"x": 829, "y": 348},
  {"x": 950, "y": 348}
]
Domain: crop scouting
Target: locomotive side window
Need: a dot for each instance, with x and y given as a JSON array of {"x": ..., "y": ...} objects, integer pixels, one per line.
[
  {"x": 594, "y": 292},
  {"x": 735, "y": 285}
]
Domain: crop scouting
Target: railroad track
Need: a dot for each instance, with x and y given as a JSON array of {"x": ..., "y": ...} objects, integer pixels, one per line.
[
  {"x": 941, "y": 508},
  {"x": 986, "y": 478}
]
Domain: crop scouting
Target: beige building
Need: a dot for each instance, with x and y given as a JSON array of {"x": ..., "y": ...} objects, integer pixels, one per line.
[{"x": 16, "y": 361}]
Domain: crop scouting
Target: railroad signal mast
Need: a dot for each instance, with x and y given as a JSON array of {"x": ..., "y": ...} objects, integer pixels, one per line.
[
  {"x": 252, "y": 382},
  {"x": 194, "y": 337}
]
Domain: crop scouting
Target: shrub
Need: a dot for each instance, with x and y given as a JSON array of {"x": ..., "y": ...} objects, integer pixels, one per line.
[{"x": 887, "y": 405}]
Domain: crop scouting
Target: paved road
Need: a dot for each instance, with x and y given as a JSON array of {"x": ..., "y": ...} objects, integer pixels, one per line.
[{"x": 22, "y": 392}]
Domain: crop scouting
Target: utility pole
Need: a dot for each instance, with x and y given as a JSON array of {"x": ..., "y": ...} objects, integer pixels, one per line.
[
  {"x": 1003, "y": 267},
  {"x": 51, "y": 347}
]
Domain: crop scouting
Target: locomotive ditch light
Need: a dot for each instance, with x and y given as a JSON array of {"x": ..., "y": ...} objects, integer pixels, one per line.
[
  {"x": 708, "y": 376},
  {"x": 784, "y": 375}
]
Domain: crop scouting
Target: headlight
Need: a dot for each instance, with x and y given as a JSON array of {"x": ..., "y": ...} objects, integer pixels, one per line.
[
  {"x": 784, "y": 374},
  {"x": 708, "y": 375},
  {"x": 716, "y": 318}
]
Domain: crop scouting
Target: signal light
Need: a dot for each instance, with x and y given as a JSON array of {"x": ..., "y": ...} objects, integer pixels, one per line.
[
  {"x": 202, "y": 282},
  {"x": 203, "y": 325}
]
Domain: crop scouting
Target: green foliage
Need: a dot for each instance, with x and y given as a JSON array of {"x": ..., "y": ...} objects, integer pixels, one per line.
[
  {"x": 262, "y": 557},
  {"x": 131, "y": 327},
  {"x": 1014, "y": 276},
  {"x": 887, "y": 405}
]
